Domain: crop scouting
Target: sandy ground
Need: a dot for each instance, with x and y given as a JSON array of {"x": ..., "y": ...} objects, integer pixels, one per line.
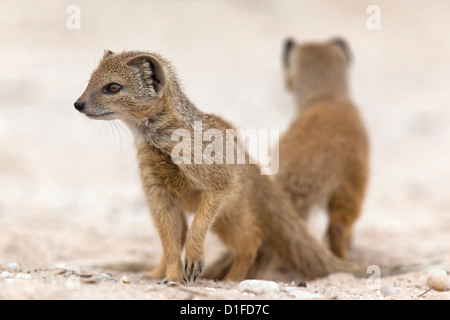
[{"x": 71, "y": 207}]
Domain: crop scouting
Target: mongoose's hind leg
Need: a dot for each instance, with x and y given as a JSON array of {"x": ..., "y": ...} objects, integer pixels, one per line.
[
  {"x": 219, "y": 268},
  {"x": 264, "y": 260},
  {"x": 299, "y": 194},
  {"x": 242, "y": 263},
  {"x": 159, "y": 271},
  {"x": 343, "y": 209},
  {"x": 244, "y": 244}
]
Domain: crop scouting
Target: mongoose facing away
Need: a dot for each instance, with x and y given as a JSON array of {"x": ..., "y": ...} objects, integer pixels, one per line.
[
  {"x": 250, "y": 213},
  {"x": 324, "y": 155}
]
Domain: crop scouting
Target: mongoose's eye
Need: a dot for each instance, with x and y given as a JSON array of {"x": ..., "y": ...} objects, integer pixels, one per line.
[{"x": 112, "y": 88}]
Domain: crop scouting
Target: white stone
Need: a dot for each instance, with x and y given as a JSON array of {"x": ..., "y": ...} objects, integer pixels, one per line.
[
  {"x": 258, "y": 286},
  {"x": 13, "y": 267},
  {"x": 104, "y": 277},
  {"x": 23, "y": 276},
  {"x": 60, "y": 265},
  {"x": 438, "y": 279},
  {"x": 6, "y": 274},
  {"x": 300, "y": 294},
  {"x": 126, "y": 279},
  {"x": 389, "y": 290}
]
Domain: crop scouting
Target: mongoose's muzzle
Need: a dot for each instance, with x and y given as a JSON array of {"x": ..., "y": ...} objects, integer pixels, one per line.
[{"x": 79, "y": 105}]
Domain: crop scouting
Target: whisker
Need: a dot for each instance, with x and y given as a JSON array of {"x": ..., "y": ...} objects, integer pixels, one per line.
[
  {"x": 114, "y": 128},
  {"x": 119, "y": 124},
  {"x": 103, "y": 126}
]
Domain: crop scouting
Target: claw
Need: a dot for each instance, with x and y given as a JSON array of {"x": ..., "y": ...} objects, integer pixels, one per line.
[
  {"x": 187, "y": 271},
  {"x": 193, "y": 270}
]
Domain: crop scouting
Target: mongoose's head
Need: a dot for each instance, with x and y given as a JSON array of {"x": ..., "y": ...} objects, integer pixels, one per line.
[
  {"x": 312, "y": 67},
  {"x": 127, "y": 86}
]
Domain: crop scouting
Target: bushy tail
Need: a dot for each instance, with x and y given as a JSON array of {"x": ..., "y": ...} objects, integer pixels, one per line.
[{"x": 290, "y": 238}]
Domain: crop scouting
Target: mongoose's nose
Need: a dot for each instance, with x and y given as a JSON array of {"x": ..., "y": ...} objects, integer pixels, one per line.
[{"x": 79, "y": 105}]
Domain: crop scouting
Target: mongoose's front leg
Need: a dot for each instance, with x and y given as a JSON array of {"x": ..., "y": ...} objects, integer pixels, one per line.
[
  {"x": 195, "y": 245},
  {"x": 167, "y": 220},
  {"x": 180, "y": 224}
]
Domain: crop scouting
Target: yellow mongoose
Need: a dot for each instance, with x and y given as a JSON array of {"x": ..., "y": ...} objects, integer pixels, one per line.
[
  {"x": 250, "y": 213},
  {"x": 324, "y": 155}
]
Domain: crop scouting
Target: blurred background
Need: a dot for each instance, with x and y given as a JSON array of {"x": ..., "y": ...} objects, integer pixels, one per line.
[{"x": 69, "y": 186}]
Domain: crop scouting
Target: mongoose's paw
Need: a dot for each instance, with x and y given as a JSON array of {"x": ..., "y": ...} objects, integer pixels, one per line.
[
  {"x": 193, "y": 268},
  {"x": 174, "y": 278}
]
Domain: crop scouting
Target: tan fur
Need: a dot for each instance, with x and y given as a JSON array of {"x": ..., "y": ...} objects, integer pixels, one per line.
[
  {"x": 250, "y": 213},
  {"x": 324, "y": 155}
]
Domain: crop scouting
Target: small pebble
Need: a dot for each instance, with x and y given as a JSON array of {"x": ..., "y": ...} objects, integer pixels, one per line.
[
  {"x": 13, "y": 267},
  {"x": 60, "y": 265},
  {"x": 389, "y": 290},
  {"x": 6, "y": 274},
  {"x": 126, "y": 279},
  {"x": 258, "y": 286},
  {"x": 23, "y": 276},
  {"x": 300, "y": 294},
  {"x": 438, "y": 279},
  {"x": 104, "y": 277}
]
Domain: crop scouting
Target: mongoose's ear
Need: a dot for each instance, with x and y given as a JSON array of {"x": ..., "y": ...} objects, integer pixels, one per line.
[
  {"x": 107, "y": 53},
  {"x": 342, "y": 44},
  {"x": 287, "y": 47},
  {"x": 150, "y": 70}
]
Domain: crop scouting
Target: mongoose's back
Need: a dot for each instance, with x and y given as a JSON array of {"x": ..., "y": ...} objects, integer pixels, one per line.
[
  {"x": 324, "y": 149},
  {"x": 324, "y": 154}
]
